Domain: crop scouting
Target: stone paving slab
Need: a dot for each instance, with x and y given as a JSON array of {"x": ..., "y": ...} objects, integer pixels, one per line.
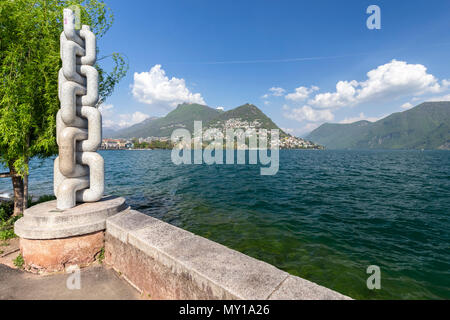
[
  {"x": 241, "y": 275},
  {"x": 127, "y": 221},
  {"x": 294, "y": 287},
  {"x": 97, "y": 283},
  {"x": 9, "y": 251},
  {"x": 8, "y": 247}
]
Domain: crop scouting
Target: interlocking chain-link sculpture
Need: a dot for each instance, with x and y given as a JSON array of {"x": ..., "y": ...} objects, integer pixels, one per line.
[{"x": 79, "y": 169}]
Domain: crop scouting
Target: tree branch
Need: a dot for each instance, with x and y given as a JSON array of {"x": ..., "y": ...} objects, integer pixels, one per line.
[{"x": 7, "y": 175}]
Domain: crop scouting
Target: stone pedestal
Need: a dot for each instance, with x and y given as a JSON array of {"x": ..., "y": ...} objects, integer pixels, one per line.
[
  {"x": 52, "y": 239},
  {"x": 56, "y": 254}
]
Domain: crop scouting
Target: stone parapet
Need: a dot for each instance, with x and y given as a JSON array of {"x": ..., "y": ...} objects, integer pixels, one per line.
[{"x": 167, "y": 262}]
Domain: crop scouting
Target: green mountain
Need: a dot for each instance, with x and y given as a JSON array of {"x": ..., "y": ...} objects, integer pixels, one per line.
[
  {"x": 426, "y": 126},
  {"x": 182, "y": 117},
  {"x": 111, "y": 133},
  {"x": 185, "y": 114},
  {"x": 247, "y": 115}
]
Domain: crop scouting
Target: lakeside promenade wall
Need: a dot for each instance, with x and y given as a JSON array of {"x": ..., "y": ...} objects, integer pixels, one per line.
[{"x": 166, "y": 262}]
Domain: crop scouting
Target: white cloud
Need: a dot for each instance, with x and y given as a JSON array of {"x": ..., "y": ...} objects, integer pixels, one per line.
[
  {"x": 359, "y": 118},
  {"x": 301, "y": 93},
  {"x": 277, "y": 91},
  {"x": 440, "y": 98},
  {"x": 289, "y": 130},
  {"x": 302, "y": 131},
  {"x": 274, "y": 91},
  {"x": 309, "y": 127},
  {"x": 306, "y": 113},
  {"x": 127, "y": 120},
  {"x": 344, "y": 95},
  {"x": 406, "y": 105},
  {"x": 109, "y": 124},
  {"x": 398, "y": 77},
  {"x": 391, "y": 80},
  {"x": 220, "y": 108},
  {"x": 106, "y": 110},
  {"x": 122, "y": 121},
  {"x": 156, "y": 89}
]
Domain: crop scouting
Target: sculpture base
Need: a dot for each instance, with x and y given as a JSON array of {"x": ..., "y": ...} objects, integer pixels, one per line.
[
  {"x": 57, "y": 254},
  {"x": 52, "y": 239},
  {"x": 44, "y": 221}
]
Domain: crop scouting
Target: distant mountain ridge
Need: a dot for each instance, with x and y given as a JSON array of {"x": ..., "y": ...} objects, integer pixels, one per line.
[
  {"x": 426, "y": 126},
  {"x": 185, "y": 115},
  {"x": 248, "y": 114},
  {"x": 182, "y": 117}
]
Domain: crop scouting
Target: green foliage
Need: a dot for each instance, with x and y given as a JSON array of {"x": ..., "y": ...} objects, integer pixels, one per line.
[
  {"x": 6, "y": 210},
  {"x": 101, "y": 255},
  {"x": 44, "y": 198},
  {"x": 18, "y": 261},
  {"x": 155, "y": 144},
  {"x": 41, "y": 199},
  {"x": 7, "y": 219},
  {"x": 426, "y": 126},
  {"x": 3, "y": 214},
  {"x": 107, "y": 81},
  {"x": 29, "y": 65},
  {"x": 7, "y": 234},
  {"x": 7, "y": 207}
]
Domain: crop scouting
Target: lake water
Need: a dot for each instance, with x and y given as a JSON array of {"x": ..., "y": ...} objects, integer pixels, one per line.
[{"x": 326, "y": 216}]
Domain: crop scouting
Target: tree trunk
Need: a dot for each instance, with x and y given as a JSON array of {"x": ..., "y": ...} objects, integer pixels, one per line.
[
  {"x": 25, "y": 192},
  {"x": 25, "y": 178},
  {"x": 17, "y": 182}
]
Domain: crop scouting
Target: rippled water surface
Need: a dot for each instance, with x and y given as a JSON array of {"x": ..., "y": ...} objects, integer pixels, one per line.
[{"x": 326, "y": 216}]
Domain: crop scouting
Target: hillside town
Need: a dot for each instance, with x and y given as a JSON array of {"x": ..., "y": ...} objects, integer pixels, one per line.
[
  {"x": 238, "y": 123},
  {"x": 254, "y": 127},
  {"x": 243, "y": 131},
  {"x": 116, "y": 144},
  {"x": 291, "y": 142},
  {"x": 136, "y": 143}
]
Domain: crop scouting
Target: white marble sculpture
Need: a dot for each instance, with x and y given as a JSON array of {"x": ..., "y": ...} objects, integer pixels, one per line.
[{"x": 79, "y": 169}]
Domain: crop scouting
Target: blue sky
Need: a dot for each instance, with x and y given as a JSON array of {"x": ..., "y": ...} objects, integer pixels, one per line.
[{"x": 320, "y": 59}]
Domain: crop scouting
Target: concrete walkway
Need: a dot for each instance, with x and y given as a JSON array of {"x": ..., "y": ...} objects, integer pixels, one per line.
[{"x": 97, "y": 283}]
